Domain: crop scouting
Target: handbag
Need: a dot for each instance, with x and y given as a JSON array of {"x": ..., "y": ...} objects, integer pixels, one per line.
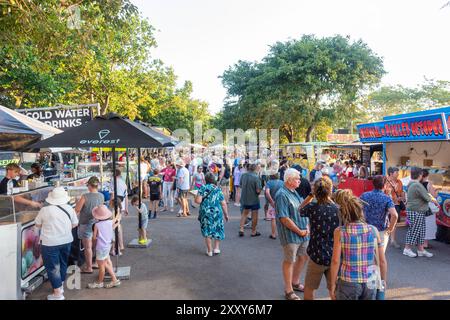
[{"x": 401, "y": 204}]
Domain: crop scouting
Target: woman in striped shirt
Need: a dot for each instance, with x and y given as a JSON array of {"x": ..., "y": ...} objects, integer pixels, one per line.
[{"x": 354, "y": 252}]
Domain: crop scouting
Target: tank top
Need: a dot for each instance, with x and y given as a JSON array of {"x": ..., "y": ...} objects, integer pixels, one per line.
[{"x": 92, "y": 199}]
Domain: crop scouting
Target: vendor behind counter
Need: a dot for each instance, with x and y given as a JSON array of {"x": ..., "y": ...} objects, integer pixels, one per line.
[{"x": 12, "y": 171}]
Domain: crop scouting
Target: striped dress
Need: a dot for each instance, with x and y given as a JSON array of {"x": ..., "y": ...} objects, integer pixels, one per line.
[{"x": 358, "y": 249}]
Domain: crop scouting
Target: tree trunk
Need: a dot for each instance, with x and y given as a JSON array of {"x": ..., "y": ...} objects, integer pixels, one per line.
[
  {"x": 18, "y": 101},
  {"x": 288, "y": 132},
  {"x": 104, "y": 106},
  {"x": 309, "y": 132}
]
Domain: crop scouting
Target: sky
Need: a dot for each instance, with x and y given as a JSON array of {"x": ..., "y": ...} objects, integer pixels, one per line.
[{"x": 200, "y": 39}]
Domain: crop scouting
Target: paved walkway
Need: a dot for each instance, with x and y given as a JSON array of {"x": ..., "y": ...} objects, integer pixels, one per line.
[{"x": 175, "y": 266}]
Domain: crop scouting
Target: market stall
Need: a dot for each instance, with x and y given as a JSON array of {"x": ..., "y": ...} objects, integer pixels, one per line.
[{"x": 417, "y": 139}]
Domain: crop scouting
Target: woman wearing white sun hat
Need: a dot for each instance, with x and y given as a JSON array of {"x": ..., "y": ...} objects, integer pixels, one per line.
[{"x": 56, "y": 222}]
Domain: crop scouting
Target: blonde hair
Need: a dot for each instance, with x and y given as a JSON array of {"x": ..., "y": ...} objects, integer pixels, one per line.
[{"x": 350, "y": 207}]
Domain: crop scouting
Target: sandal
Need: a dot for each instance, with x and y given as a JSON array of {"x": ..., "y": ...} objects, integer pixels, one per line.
[
  {"x": 298, "y": 287},
  {"x": 291, "y": 296},
  {"x": 241, "y": 233},
  {"x": 112, "y": 284},
  {"x": 272, "y": 237},
  {"x": 257, "y": 234},
  {"x": 83, "y": 270}
]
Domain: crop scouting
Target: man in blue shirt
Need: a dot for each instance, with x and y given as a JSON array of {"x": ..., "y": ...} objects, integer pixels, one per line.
[
  {"x": 293, "y": 232},
  {"x": 377, "y": 206}
]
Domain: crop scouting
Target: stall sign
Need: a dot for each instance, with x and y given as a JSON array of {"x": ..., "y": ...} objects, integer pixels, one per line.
[
  {"x": 443, "y": 217},
  {"x": 7, "y": 158},
  {"x": 61, "y": 118},
  {"x": 421, "y": 128}
]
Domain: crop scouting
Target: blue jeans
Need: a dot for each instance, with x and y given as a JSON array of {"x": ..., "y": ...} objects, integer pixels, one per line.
[
  {"x": 354, "y": 291},
  {"x": 55, "y": 262}
]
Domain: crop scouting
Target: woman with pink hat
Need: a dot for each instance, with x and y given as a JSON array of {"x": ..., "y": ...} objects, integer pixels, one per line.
[
  {"x": 56, "y": 222},
  {"x": 103, "y": 234}
]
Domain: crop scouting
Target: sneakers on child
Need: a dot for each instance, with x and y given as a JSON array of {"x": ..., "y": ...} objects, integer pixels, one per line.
[
  {"x": 142, "y": 241},
  {"x": 216, "y": 251},
  {"x": 209, "y": 253},
  {"x": 95, "y": 285},
  {"x": 409, "y": 253},
  {"x": 112, "y": 284},
  {"x": 54, "y": 297},
  {"x": 424, "y": 253}
]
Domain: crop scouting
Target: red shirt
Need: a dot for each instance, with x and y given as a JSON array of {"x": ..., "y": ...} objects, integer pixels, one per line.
[{"x": 169, "y": 174}]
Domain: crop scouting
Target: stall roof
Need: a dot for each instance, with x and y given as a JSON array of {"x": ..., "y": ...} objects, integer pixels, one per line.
[
  {"x": 445, "y": 110},
  {"x": 293, "y": 144},
  {"x": 355, "y": 145}
]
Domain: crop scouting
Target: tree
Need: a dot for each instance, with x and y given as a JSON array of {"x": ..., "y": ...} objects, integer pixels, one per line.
[{"x": 302, "y": 83}]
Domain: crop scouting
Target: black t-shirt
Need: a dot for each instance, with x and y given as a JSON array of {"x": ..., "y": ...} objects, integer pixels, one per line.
[
  {"x": 304, "y": 189},
  {"x": 4, "y": 185},
  {"x": 226, "y": 174},
  {"x": 281, "y": 172},
  {"x": 155, "y": 183},
  {"x": 323, "y": 219}
]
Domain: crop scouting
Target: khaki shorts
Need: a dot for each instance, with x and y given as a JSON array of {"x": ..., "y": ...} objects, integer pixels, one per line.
[
  {"x": 314, "y": 275},
  {"x": 294, "y": 250}
]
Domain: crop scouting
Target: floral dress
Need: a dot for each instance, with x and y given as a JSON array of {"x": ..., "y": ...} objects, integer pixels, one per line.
[{"x": 211, "y": 215}]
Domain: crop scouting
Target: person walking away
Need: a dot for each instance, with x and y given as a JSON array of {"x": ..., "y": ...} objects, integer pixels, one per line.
[
  {"x": 293, "y": 233},
  {"x": 56, "y": 222},
  {"x": 323, "y": 215},
  {"x": 417, "y": 209},
  {"x": 183, "y": 183},
  {"x": 250, "y": 185},
  {"x": 356, "y": 248},
  {"x": 103, "y": 235},
  {"x": 213, "y": 211},
  {"x": 144, "y": 168},
  {"x": 155, "y": 186},
  {"x": 224, "y": 179},
  {"x": 198, "y": 181},
  {"x": 379, "y": 210},
  {"x": 83, "y": 208},
  {"x": 144, "y": 219},
  {"x": 272, "y": 186},
  {"x": 393, "y": 187},
  {"x": 237, "y": 181},
  {"x": 169, "y": 174},
  {"x": 122, "y": 204},
  {"x": 430, "y": 221}
]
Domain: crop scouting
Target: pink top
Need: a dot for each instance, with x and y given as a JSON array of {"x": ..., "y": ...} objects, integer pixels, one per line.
[{"x": 169, "y": 174}]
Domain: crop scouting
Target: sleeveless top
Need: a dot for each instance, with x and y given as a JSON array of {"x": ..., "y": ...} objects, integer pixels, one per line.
[
  {"x": 92, "y": 199},
  {"x": 358, "y": 252},
  {"x": 105, "y": 234}
]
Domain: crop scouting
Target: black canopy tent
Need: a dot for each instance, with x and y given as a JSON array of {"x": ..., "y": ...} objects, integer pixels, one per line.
[{"x": 113, "y": 131}]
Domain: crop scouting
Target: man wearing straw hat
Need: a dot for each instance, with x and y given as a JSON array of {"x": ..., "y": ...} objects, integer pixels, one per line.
[{"x": 183, "y": 184}]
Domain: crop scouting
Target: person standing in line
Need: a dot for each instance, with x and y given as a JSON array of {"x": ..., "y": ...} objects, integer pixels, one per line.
[
  {"x": 122, "y": 204},
  {"x": 416, "y": 210},
  {"x": 198, "y": 180},
  {"x": 144, "y": 168},
  {"x": 183, "y": 184},
  {"x": 224, "y": 179},
  {"x": 169, "y": 174},
  {"x": 430, "y": 221},
  {"x": 155, "y": 186},
  {"x": 379, "y": 210},
  {"x": 272, "y": 186},
  {"x": 83, "y": 208},
  {"x": 356, "y": 247},
  {"x": 251, "y": 187},
  {"x": 143, "y": 219},
  {"x": 393, "y": 187},
  {"x": 323, "y": 215},
  {"x": 236, "y": 181},
  {"x": 56, "y": 222},
  {"x": 213, "y": 211},
  {"x": 293, "y": 233}
]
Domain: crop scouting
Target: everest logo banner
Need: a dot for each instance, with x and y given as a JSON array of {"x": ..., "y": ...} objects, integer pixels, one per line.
[{"x": 103, "y": 133}]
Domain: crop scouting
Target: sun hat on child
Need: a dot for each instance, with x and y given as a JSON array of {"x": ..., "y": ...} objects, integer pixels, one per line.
[{"x": 101, "y": 212}]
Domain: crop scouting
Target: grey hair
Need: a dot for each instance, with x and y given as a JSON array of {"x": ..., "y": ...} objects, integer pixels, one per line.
[{"x": 290, "y": 173}]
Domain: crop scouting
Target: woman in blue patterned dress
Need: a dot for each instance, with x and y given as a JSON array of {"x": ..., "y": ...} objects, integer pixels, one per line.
[{"x": 213, "y": 210}]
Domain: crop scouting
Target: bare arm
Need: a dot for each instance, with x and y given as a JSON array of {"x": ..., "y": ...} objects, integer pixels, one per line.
[
  {"x": 94, "y": 236},
  {"x": 198, "y": 199},
  {"x": 288, "y": 223},
  {"x": 393, "y": 220},
  {"x": 335, "y": 262},
  {"x": 79, "y": 205},
  {"x": 225, "y": 210},
  {"x": 381, "y": 258},
  {"x": 269, "y": 198},
  {"x": 307, "y": 201}
]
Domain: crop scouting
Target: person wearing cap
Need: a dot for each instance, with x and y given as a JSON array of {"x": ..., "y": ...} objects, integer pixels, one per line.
[
  {"x": 83, "y": 208},
  {"x": 103, "y": 236},
  {"x": 183, "y": 184},
  {"x": 56, "y": 222}
]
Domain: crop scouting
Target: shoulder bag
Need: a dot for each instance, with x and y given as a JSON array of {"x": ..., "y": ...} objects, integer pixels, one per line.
[{"x": 400, "y": 202}]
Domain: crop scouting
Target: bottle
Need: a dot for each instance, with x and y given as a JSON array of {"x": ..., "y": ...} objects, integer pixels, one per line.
[
  {"x": 380, "y": 291},
  {"x": 10, "y": 187}
]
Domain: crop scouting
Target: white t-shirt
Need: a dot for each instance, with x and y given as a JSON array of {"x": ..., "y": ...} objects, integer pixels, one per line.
[
  {"x": 155, "y": 164},
  {"x": 143, "y": 169},
  {"x": 122, "y": 190},
  {"x": 56, "y": 227},
  {"x": 183, "y": 173}
]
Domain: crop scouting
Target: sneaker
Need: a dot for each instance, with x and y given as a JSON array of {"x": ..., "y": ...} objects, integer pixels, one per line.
[
  {"x": 95, "y": 285},
  {"x": 409, "y": 253},
  {"x": 237, "y": 204},
  {"x": 395, "y": 244},
  {"x": 209, "y": 253},
  {"x": 53, "y": 297},
  {"x": 143, "y": 241},
  {"x": 62, "y": 289},
  {"x": 424, "y": 253},
  {"x": 113, "y": 284},
  {"x": 216, "y": 251}
]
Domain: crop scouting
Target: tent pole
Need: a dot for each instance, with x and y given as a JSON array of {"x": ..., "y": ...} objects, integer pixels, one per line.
[
  {"x": 140, "y": 186},
  {"x": 128, "y": 169},
  {"x": 115, "y": 205}
]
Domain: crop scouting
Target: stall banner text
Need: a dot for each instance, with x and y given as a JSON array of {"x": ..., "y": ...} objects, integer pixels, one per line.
[
  {"x": 61, "y": 118},
  {"x": 422, "y": 128},
  {"x": 443, "y": 217}
]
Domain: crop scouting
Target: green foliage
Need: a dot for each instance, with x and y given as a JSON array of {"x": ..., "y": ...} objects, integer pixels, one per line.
[{"x": 300, "y": 84}]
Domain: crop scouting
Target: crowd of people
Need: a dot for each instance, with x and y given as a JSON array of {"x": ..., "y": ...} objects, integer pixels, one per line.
[{"x": 322, "y": 231}]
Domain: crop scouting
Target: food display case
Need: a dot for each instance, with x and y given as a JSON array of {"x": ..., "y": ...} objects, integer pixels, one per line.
[{"x": 22, "y": 267}]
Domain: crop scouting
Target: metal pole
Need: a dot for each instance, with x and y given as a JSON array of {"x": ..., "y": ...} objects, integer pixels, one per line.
[
  {"x": 128, "y": 180},
  {"x": 115, "y": 205},
  {"x": 140, "y": 186}
]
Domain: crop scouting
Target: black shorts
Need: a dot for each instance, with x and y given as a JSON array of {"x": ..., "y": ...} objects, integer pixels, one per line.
[
  {"x": 252, "y": 207},
  {"x": 155, "y": 196}
]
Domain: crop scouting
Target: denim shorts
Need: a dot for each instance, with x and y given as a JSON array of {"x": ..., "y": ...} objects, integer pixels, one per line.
[
  {"x": 144, "y": 221},
  {"x": 103, "y": 253},
  {"x": 354, "y": 291},
  {"x": 86, "y": 231}
]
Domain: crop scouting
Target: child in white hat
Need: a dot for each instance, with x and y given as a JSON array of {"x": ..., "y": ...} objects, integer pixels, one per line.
[{"x": 103, "y": 234}]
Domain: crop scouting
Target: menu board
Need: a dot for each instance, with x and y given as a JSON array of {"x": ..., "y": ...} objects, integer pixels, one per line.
[{"x": 365, "y": 155}]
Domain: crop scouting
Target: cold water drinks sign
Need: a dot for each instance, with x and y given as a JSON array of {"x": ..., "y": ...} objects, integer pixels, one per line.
[
  {"x": 61, "y": 118},
  {"x": 423, "y": 128}
]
